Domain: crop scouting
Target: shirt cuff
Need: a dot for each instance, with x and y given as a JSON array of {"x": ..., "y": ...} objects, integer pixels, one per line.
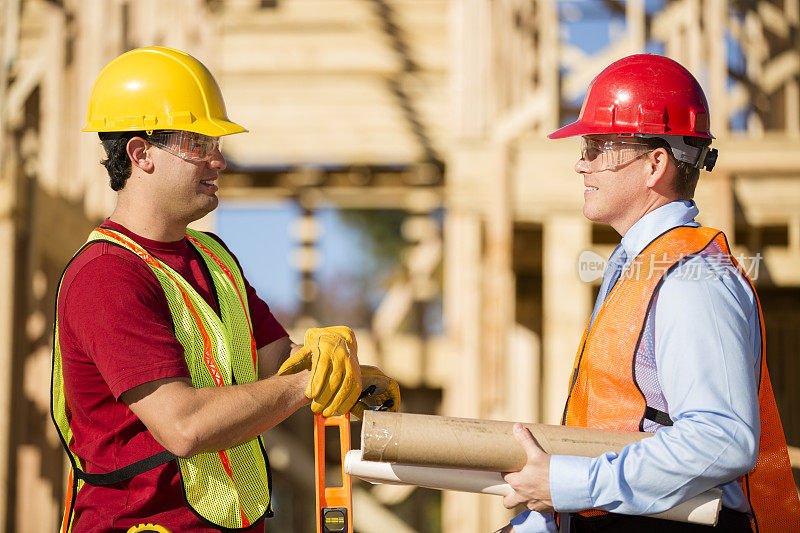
[
  {"x": 533, "y": 522},
  {"x": 569, "y": 483}
]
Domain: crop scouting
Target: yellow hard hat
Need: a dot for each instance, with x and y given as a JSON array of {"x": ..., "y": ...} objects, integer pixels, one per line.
[{"x": 157, "y": 88}]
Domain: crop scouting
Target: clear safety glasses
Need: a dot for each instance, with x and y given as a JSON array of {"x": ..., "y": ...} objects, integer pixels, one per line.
[
  {"x": 186, "y": 144},
  {"x": 611, "y": 155}
]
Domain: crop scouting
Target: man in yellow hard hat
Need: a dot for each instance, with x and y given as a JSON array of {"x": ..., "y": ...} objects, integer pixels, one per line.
[{"x": 167, "y": 366}]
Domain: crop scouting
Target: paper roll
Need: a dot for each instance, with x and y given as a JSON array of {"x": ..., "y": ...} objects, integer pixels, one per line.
[
  {"x": 478, "y": 481},
  {"x": 428, "y": 440},
  {"x": 702, "y": 509}
]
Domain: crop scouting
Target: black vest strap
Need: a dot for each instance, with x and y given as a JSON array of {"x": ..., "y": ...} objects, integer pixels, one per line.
[
  {"x": 126, "y": 472},
  {"x": 659, "y": 417}
]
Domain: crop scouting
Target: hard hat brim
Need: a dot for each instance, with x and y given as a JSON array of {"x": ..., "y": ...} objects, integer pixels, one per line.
[
  {"x": 212, "y": 128},
  {"x": 573, "y": 129},
  {"x": 582, "y": 128},
  {"x": 215, "y": 128}
]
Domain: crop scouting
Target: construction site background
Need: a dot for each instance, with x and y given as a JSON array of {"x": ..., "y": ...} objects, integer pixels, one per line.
[{"x": 422, "y": 124}]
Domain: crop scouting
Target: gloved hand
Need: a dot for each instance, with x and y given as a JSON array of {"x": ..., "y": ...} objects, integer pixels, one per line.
[
  {"x": 380, "y": 391},
  {"x": 331, "y": 355}
]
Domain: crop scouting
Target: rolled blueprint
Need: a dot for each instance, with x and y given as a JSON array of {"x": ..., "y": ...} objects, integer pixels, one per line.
[
  {"x": 428, "y": 440},
  {"x": 478, "y": 481},
  {"x": 702, "y": 509}
]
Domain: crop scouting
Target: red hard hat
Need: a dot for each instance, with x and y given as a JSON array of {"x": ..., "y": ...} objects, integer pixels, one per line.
[{"x": 644, "y": 94}]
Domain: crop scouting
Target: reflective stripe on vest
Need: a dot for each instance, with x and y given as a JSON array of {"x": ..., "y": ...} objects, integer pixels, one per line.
[
  {"x": 603, "y": 390},
  {"x": 230, "y": 488}
]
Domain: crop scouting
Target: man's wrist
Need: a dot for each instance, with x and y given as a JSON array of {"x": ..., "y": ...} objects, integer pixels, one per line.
[
  {"x": 301, "y": 382},
  {"x": 569, "y": 483},
  {"x": 294, "y": 386}
]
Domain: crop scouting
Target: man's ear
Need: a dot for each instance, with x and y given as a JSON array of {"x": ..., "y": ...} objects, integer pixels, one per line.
[
  {"x": 658, "y": 167},
  {"x": 137, "y": 152}
]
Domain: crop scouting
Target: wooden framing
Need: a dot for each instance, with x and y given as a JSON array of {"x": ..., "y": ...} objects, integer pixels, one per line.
[{"x": 378, "y": 104}]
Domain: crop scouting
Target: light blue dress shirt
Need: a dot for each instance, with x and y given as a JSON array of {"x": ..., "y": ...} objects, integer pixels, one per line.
[{"x": 704, "y": 335}]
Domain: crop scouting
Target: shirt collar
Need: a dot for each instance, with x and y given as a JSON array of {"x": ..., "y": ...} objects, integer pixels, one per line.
[{"x": 656, "y": 222}]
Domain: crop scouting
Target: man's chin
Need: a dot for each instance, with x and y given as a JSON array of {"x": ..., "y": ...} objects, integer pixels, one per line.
[
  {"x": 213, "y": 203},
  {"x": 591, "y": 214},
  {"x": 209, "y": 206}
]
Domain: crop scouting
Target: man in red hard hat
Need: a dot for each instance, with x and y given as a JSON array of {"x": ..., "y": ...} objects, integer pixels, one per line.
[{"x": 674, "y": 345}]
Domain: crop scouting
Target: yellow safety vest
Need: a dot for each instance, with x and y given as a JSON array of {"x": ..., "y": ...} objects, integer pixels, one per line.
[{"x": 230, "y": 488}]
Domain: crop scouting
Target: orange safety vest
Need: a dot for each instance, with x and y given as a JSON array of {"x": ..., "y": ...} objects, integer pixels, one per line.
[{"x": 603, "y": 390}]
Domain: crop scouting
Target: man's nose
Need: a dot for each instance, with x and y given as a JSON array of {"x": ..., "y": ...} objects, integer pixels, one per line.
[
  {"x": 217, "y": 161},
  {"x": 582, "y": 166}
]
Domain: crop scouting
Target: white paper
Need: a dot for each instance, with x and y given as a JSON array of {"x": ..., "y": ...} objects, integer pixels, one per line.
[
  {"x": 702, "y": 509},
  {"x": 432, "y": 477}
]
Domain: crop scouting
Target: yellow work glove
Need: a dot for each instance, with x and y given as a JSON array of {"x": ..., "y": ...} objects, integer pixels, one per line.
[
  {"x": 331, "y": 355},
  {"x": 380, "y": 392}
]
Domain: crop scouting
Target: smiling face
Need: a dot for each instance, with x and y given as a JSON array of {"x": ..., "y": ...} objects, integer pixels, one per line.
[
  {"x": 616, "y": 194},
  {"x": 184, "y": 191}
]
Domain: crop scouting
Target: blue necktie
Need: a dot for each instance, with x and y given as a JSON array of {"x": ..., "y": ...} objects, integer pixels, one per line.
[{"x": 612, "y": 273}]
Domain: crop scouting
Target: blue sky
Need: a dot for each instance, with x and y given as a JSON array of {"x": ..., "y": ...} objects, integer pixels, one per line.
[{"x": 258, "y": 233}]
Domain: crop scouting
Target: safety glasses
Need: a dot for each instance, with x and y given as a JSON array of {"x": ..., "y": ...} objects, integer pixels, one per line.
[
  {"x": 611, "y": 155},
  {"x": 186, "y": 144}
]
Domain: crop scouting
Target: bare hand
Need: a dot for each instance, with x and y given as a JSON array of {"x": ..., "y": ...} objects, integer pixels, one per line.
[{"x": 531, "y": 484}]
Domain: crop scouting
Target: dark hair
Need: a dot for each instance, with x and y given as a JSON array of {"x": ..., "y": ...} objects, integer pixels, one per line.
[
  {"x": 117, "y": 162},
  {"x": 687, "y": 175}
]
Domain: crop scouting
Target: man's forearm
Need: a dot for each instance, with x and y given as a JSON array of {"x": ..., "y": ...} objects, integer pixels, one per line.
[
  {"x": 655, "y": 474},
  {"x": 187, "y": 421},
  {"x": 244, "y": 411}
]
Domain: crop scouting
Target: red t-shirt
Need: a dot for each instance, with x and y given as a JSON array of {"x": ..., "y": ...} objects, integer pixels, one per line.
[{"x": 115, "y": 333}]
